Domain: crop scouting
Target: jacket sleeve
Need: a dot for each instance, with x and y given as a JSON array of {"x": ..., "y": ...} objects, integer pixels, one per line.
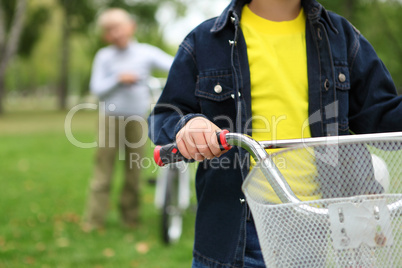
[
  {"x": 177, "y": 104},
  {"x": 374, "y": 103}
]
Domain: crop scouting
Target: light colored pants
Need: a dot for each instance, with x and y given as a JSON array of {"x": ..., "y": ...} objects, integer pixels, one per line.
[{"x": 116, "y": 139}]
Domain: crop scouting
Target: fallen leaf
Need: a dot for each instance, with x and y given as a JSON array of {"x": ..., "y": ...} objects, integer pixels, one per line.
[
  {"x": 142, "y": 247},
  {"x": 71, "y": 217},
  {"x": 29, "y": 260},
  {"x": 108, "y": 252},
  {"x": 62, "y": 242}
]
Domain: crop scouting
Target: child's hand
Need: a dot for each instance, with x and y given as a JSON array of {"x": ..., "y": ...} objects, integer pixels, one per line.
[
  {"x": 128, "y": 78},
  {"x": 197, "y": 139}
]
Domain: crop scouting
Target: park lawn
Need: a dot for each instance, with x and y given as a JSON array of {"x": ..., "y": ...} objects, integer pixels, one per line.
[{"x": 44, "y": 181}]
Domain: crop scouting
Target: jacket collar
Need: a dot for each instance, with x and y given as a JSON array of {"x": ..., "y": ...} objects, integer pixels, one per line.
[
  {"x": 313, "y": 9},
  {"x": 235, "y": 7}
]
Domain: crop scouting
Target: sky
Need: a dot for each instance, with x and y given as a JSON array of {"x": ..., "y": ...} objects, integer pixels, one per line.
[{"x": 199, "y": 10}]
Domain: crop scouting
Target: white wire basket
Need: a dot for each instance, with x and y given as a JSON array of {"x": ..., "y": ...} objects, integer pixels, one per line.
[{"x": 349, "y": 212}]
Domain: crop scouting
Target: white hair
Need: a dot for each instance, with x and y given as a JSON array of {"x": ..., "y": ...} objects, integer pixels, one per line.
[{"x": 113, "y": 15}]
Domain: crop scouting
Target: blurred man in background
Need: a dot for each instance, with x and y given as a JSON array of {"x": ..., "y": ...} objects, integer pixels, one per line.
[{"x": 119, "y": 78}]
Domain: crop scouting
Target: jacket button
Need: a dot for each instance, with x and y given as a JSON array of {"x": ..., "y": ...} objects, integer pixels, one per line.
[
  {"x": 233, "y": 20},
  {"x": 342, "y": 77},
  {"x": 242, "y": 201},
  {"x": 218, "y": 89},
  {"x": 326, "y": 84}
]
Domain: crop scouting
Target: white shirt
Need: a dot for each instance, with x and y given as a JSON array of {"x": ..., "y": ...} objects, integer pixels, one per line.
[{"x": 138, "y": 59}]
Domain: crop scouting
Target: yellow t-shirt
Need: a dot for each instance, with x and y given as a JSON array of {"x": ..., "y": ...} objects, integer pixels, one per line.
[{"x": 279, "y": 92}]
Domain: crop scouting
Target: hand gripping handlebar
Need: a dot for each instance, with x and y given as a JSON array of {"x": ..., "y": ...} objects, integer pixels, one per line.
[{"x": 169, "y": 153}]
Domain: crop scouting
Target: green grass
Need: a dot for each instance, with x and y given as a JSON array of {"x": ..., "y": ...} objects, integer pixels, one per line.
[{"x": 44, "y": 181}]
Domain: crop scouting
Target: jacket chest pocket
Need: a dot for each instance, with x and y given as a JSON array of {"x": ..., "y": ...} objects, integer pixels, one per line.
[
  {"x": 342, "y": 84},
  {"x": 215, "y": 93}
]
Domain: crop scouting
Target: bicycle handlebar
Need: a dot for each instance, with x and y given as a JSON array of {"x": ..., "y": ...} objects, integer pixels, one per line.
[{"x": 168, "y": 154}]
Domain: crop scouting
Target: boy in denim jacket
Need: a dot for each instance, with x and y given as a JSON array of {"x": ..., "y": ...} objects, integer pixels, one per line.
[{"x": 265, "y": 68}]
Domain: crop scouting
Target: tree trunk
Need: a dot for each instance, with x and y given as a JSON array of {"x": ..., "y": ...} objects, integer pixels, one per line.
[
  {"x": 9, "y": 44},
  {"x": 64, "y": 67}
]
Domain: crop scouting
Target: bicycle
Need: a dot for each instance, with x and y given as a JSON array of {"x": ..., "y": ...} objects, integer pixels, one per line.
[
  {"x": 356, "y": 220},
  {"x": 172, "y": 197},
  {"x": 172, "y": 193}
]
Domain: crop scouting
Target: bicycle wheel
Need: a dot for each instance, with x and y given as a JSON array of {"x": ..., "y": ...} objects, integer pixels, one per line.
[{"x": 171, "y": 213}]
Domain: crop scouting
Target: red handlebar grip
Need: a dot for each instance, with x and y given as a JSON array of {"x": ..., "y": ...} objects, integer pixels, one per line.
[
  {"x": 169, "y": 153},
  {"x": 222, "y": 139},
  {"x": 157, "y": 156}
]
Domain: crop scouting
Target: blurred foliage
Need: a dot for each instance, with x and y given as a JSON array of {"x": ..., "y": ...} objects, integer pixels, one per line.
[
  {"x": 37, "y": 70},
  {"x": 78, "y": 14},
  {"x": 9, "y": 7},
  {"x": 37, "y": 16},
  {"x": 379, "y": 21},
  {"x": 144, "y": 12},
  {"x": 36, "y": 19}
]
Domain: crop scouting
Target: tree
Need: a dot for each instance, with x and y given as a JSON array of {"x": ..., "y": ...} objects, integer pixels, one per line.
[
  {"x": 79, "y": 20},
  {"x": 78, "y": 15},
  {"x": 36, "y": 19},
  {"x": 145, "y": 15},
  {"x": 10, "y": 33}
]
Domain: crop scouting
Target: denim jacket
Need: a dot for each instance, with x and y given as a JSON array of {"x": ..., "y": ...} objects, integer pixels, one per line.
[{"x": 349, "y": 90}]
